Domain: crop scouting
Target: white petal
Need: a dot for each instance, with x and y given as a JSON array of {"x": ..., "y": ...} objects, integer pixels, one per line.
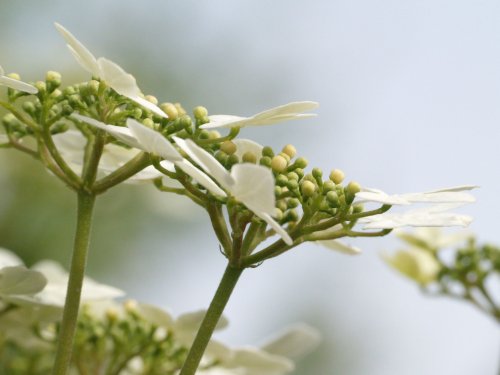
[
  {"x": 190, "y": 322},
  {"x": 419, "y": 265},
  {"x": 9, "y": 259},
  {"x": 155, "y": 315},
  {"x": 17, "y": 85},
  {"x": 294, "y": 342},
  {"x": 375, "y": 195},
  {"x": 292, "y": 108},
  {"x": 259, "y": 362},
  {"x": 340, "y": 246},
  {"x": 20, "y": 280},
  {"x": 119, "y": 132},
  {"x": 254, "y": 187},
  {"x": 153, "y": 141},
  {"x": 200, "y": 177},
  {"x": 206, "y": 161},
  {"x": 276, "y": 227},
  {"x": 416, "y": 219},
  {"x": 225, "y": 121},
  {"x": 455, "y": 188},
  {"x": 168, "y": 165},
  {"x": 148, "y": 105},
  {"x": 117, "y": 78},
  {"x": 84, "y": 57},
  {"x": 246, "y": 145}
]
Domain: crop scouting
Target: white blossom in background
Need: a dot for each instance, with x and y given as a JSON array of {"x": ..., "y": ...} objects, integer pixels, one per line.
[
  {"x": 416, "y": 264},
  {"x": 16, "y": 279},
  {"x": 290, "y": 111},
  {"x": 16, "y": 84},
  {"x": 108, "y": 71},
  {"x": 433, "y": 238}
]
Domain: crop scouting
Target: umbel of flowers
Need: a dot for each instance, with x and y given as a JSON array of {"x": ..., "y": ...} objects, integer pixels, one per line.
[{"x": 261, "y": 202}]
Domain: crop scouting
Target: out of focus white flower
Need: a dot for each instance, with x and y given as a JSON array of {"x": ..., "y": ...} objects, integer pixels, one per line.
[
  {"x": 290, "y": 111},
  {"x": 16, "y": 84},
  {"x": 433, "y": 238},
  {"x": 16, "y": 279},
  {"x": 108, "y": 71},
  {"x": 417, "y": 264}
]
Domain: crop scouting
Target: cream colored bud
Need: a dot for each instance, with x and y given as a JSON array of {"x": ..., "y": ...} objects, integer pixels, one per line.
[
  {"x": 337, "y": 176},
  {"x": 249, "y": 157},
  {"x": 170, "y": 110},
  {"x": 286, "y": 156},
  {"x": 353, "y": 187},
  {"x": 151, "y": 99},
  {"x": 290, "y": 150},
  {"x": 214, "y": 134},
  {"x": 279, "y": 163},
  {"x": 149, "y": 123},
  {"x": 308, "y": 188},
  {"x": 15, "y": 76},
  {"x": 200, "y": 112},
  {"x": 130, "y": 305},
  {"x": 228, "y": 147},
  {"x": 180, "y": 109}
]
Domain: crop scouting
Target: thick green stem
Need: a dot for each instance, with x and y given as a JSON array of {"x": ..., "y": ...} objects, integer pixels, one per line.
[
  {"x": 214, "y": 312},
  {"x": 77, "y": 272}
]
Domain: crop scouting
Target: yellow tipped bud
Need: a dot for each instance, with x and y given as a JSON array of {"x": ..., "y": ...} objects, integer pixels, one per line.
[
  {"x": 286, "y": 156},
  {"x": 112, "y": 314},
  {"x": 170, "y": 110},
  {"x": 151, "y": 99},
  {"x": 200, "y": 112},
  {"x": 130, "y": 305},
  {"x": 337, "y": 176},
  {"x": 290, "y": 150},
  {"x": 228, "y": 147},
  {"x": 41, "y": 86},
  {"x": 213, "y": 134},
  {"x": 180, "y": 110},
  {"x": 308, "y": 188},
  {"x": 15, "y": 76},
  {"x": 279, "y": 163},
  {"x": 149, "y": 123},
  {"x": 249, "y": 157},
  {"x": 353, "y": 187}
]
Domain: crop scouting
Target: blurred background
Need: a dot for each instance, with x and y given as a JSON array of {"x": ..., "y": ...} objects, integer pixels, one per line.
[{"x": 409, "y": 95}]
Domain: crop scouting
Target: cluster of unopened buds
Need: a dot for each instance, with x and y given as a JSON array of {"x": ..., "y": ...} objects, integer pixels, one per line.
[{"x": 97, "y": 134}]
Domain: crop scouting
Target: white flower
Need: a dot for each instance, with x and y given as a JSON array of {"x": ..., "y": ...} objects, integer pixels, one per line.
[
  {"x": 108, "y": 71},
  {"x": 54, "y": 294},
  {"x": 140, "y": 136},
  {"x": 71, "y": 145},
  {"x": 16, "y": 84},
  {"x": 15, "y": 278},
  {"x": 417, "y": 264},
  {"x": 433, "y": 238},
  {"x": 290, "y": 111},
  {"x": 250, "y": 184},
  {"x": 336, "y": 244},
  {"x": 448, "y": 195},
  {"x": 432, "y": 216}
]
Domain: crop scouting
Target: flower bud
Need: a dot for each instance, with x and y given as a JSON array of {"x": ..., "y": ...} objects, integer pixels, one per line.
[
  {"x": 149, "y": 123},
  {"x": 170, "y": 110},
  {"x": 204, "y": 134},
  {"x": 282, "y": 205},
  {"x": 317, "y": 173},
  {"x": 278, "y": 163},
  {"x": 41, "y": 86},
  {"x": 53, "y": 80},
  {"x": 29, "y": 107},
  {"x": 213, "y": 134},
  {"x": 290, "y": 151},
  {"x": 337, "y": 176},
  {"x": 221, "y": 156},
  {"x": 15, "y": 76},
  {"x": 151, "y": 99},
  {"x": 249, "y": 157},
  {"x": 291, "y": 215},
  {"x": 293, "y": 176},
  {"x": 228, "y": 147},
  {"x": 180, "y": 110},
  {"x": 265, "y": 161},
  {"x": 281, "y": 180},
  {"x": 332, "y": 198},
  {"x": 353, "y": 188},
  {"x": 285, "y": 156},
  {"x": 328, "y": 186},
  {"x": 93, "y": 87},
  {"x": 308, "y": 188},
  {"x": 292, "y": 184},
  {"x": 293, "y": 202},
  {"x": 232, "y": 160},
  {"x": 267, "y": 151},
  {"x": 300, "y": 163},
  {"x": 200, "y": 113}
]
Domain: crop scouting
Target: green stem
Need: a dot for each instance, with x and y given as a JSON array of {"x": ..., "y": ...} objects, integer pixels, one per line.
[
  {"x": 74, "y": 290},
  {"x": 214, "y": 312}
]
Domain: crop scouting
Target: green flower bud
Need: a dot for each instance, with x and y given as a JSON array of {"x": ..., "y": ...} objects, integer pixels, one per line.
[
  {"x": 267, "y": 151},
  {"x": 292, "y": 215},
  {"x": 308, "y": 188},
  {"x": 249, "y": 157},
  {"x": 180, "y": 110},
  {"x": 309, "y": 177},
  {"x": 358, "y": 208},
  {"x": 221, "y": 156},
  {"x": 137, "y": 113},
  {"x": 317, "y": 173},
  {"x": 41, "y": 86},
  {"x": 332, "y": 198},
  {"x": 59, "y": 127},
  {"x": 67, "y": 110},
  {"x": 281, "y": 204},
  {"x": 204, "y": 134},
  {"x": 29, "y": 107},
  {"x": 300, "y": 163},
  {"x": 70, "y": 90},
  {"x": 281, "y": 180},
  {"x": 56, "y": 94},
  {"x": 9, "y": 120},
  {"x": 186, "y": 122},
  {"x": 214, "y": 134},
  {"x": 328, "y": 186},
  {"x": 292, "y": 185},
  {"x": 265, "y": 161},
  {"x": 337, "y": 176},
  {"x": 293, "y": 176},
  {"x": 293, "y": 202},
  {"x": 232, "y": 160},
  {"x": 278, "y": 163},
  {"x": 299, "y": 172},
  {"x": 290, "y": 151},
  {"x": 170, "y": 110},
  {"x": 277, "y": 191},
  {"x": 279, "y": 215},
  {"x": 228, "y": 147},
  {"x": 53, "y": 80},
  {"x": 149, "y": 123}
]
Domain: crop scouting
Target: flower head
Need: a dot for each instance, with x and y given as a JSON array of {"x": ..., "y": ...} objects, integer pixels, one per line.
[
  {"x": 108, "y": 71},
  {"x": 290, "y": 111},
  {"x": 16, "y": 84}
]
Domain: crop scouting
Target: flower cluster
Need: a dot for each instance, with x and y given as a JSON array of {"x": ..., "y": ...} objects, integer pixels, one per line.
[
  {"x": 450, "y": 264},
  {"x": 126, "y": 338},
  {"x": 261, "y": 202}
]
